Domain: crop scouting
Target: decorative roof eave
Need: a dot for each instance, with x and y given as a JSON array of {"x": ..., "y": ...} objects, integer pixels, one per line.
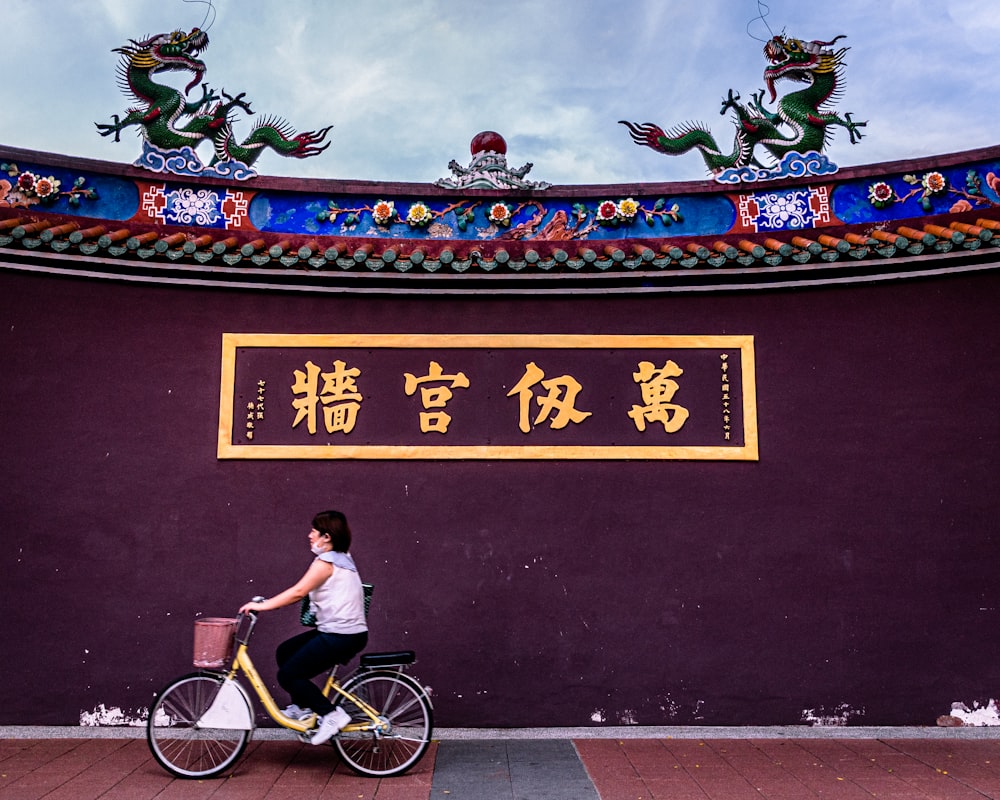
[
  {"x": 97, "y": 252},
  {"x": 672, "y": 257}
]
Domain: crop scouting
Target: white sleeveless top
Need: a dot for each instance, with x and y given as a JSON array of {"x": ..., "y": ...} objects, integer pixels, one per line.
[{"x": 339, "y": 602}]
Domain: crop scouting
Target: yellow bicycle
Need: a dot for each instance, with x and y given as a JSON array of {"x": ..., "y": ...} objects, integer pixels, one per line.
[{"x": 200, "y": 724}]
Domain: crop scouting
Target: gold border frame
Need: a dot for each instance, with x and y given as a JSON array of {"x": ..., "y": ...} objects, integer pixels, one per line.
[{"x": 232, "y": 341}]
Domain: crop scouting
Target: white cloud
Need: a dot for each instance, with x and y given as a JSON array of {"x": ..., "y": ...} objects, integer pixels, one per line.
[
  {"x": 979, "y": 24},
  {"x": 407, "y": 84}
]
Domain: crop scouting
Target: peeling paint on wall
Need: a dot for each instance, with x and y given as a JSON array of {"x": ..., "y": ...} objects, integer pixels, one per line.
[
  {"x": 838, "y": 717},
  {"x": 978, "y": 715},
  {"x": 668, "y": 706},
  {"x": 102, "y": 715},
  {"x": 628, "y": 717},
  {"x": 634, "y": 716}
]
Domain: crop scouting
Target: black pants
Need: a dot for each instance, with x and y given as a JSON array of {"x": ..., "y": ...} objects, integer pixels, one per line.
[{"x": 303, "y": 657}]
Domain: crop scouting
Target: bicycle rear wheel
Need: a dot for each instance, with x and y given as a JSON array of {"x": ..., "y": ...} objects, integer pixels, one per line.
[
  {"x": 178, "y": 744},
  {"x": 400, "y": 701}
]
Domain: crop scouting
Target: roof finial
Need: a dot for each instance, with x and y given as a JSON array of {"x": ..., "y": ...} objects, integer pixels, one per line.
[{"x": 488, "y": 168}]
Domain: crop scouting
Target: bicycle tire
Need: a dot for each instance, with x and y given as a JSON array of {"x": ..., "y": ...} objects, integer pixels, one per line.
[
  {"x": 177, "y": 744},
  {"x": 402, "y": 702}
]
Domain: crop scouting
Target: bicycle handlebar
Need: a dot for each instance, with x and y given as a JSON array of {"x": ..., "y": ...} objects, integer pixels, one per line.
[
  {"x": 243, "y": 636},
  {"x": 256, "y": 599}
]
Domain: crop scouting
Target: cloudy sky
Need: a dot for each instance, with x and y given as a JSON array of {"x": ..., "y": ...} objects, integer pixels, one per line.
[{"x": 408, "y": 83}]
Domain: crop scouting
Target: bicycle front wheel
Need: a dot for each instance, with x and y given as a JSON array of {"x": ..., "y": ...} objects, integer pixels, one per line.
[
  {"x": 402, "y": 703},
  {"x": 178, "y": 743}
]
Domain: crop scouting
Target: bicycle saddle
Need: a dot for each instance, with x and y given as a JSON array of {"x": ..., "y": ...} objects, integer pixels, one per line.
[{"x": 396, "y": 659}]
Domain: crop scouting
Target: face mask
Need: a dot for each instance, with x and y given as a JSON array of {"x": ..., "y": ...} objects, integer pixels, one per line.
[{"x": 316, "y": 549}]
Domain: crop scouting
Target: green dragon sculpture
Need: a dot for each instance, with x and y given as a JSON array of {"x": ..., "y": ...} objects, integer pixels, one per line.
[
  {"x": 172, "y": 126},
  {"x": 802, "y": 114}
]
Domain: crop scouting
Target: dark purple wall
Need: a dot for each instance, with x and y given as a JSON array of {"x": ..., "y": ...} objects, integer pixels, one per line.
[{"x": 852, "y": 566}]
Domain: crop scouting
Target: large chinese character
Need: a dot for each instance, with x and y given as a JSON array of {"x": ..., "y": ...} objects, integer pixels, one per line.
[
  {"x": 434, "y": 396},
  {"x": 562, "y": 392},
  {"x": 657, "y": 391},
  {"x": 338, "y": 393}
]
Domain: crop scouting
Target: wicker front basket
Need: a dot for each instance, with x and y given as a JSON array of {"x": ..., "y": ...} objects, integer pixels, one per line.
[{"x": 213, "y": 642}]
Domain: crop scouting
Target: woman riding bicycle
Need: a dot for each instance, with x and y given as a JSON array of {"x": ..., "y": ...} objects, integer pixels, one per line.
[{"x": 336, "y": 598}]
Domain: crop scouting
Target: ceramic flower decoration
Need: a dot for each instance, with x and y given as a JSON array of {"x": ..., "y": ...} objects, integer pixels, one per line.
[
  {"x": 499, "y": 214},
  {"x": 418, "y": 216},
  {"x": 881, "y": 194},
  {"x": 384, "y": 212}
]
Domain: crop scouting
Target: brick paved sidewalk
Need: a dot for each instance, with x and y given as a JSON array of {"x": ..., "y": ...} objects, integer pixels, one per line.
[
  {"x": 123, "y": 769},
  {"x": 793, "y": 769},
  {"x": 937, "y": 768}
]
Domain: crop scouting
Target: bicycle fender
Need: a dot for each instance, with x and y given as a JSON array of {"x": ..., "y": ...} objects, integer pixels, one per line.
[{"x": 230, "y": 710}]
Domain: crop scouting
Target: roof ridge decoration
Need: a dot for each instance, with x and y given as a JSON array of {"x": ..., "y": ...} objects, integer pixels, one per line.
[
  {"x": 488, "y": 168},
  {"x": 172, "y": 126},
  {"x": 805, "y": 113},
  {"x": 898, "y": 220}
]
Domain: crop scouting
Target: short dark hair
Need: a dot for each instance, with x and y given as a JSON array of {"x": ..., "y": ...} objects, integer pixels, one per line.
[{"x": 334, "y": 524}]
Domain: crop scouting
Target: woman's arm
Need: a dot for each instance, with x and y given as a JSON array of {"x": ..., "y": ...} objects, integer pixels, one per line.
[{"x": 318, "y": 572}]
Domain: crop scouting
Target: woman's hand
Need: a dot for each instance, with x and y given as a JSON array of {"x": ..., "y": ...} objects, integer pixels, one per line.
[{"x": 247, "y": 607}]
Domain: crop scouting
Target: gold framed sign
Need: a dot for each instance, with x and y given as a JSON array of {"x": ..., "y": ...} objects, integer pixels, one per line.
[{"x": 487, "y": 396}]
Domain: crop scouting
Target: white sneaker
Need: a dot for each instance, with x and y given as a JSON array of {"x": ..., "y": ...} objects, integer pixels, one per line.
[
  {"x": 329, "y": 725},
  {"x": 295, "y": 712}
]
